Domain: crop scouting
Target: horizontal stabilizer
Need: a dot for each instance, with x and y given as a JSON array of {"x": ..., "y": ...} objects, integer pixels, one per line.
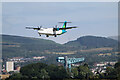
[{"x": 64, "y": 22}]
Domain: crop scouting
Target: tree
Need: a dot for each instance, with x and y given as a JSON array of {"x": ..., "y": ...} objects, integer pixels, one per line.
[
  {"x": 43, "y": 75},
  {"x": 32, "y": 70},
  {"x": 117, "y": 67},
  {"x": 16, "y": 76},
  {"x": 74, "y": 72},
  {"x": 84, "y": 72},
  {"x": 57, "y": 72},
  {"x": 41, "y": 71},
  {"x": 110, "y": 73}
]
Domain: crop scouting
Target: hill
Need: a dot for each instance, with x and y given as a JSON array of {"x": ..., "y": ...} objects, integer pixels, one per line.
[
  {"x": 92, "y": 42},
  {"x": 88, "y": 46},
  {"x": 114, "y": 37},
  {"x": 22, "y": 46}
]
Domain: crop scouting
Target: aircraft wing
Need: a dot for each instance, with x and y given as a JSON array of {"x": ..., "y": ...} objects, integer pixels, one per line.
[
  {"x": 33, "y": 28},
  {"x": 67, "y": 28}
]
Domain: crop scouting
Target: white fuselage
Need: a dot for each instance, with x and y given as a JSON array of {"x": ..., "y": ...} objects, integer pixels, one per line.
[{"x": 49, "y": 31}]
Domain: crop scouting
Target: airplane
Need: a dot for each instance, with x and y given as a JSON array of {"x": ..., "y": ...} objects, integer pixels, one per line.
[{"x": 52, "y": 31}]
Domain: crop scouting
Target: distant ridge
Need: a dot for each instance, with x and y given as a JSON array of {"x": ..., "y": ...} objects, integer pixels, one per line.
[
  {"x": 22, "y": 46},
  {"x": 93, "y": 42},
  {"x": 114, "y": 37},
  {"x": 21, "y": 39}
]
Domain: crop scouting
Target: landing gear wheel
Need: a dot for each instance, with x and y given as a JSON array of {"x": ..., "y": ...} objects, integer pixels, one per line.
[
  {"x": 47, "y": 35},
  {"x": 39, "y": 35},
  {"x": 55, "y": 35}
]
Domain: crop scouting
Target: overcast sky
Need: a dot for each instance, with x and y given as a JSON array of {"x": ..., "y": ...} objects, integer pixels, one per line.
[{"x": 92, "y": 18}]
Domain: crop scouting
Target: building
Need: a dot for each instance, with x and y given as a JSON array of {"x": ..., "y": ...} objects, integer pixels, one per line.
[
  {"x": 100, "y": 64},
  {"x": 4, "y": 76},
  {"x": 39, "y": 57},
  {"x": 18, "y": 68},
  {"x": 9, "y": 66}
]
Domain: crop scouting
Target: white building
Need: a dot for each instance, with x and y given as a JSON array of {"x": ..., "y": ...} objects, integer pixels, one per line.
[
  {"x": 100, "y": 64},
  {"x": 39, "y": 57},
  {"x": 9, "y": 66}
]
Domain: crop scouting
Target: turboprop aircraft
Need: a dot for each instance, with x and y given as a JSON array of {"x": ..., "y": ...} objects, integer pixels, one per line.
[{"x": 52, "y": 31}]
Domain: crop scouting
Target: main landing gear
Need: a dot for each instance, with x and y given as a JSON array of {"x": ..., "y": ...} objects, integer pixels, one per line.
[
  {"x": 47, "y": 35},
  {"x": 55, "y": 35},
  {"x": 39, "y": 34}
]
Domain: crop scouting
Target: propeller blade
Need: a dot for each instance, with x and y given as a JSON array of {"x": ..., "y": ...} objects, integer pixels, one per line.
[
  {"x": 40, "y": 26},
  {"x": 55, "y": 26},
  {"x": 54, "y": 31}
]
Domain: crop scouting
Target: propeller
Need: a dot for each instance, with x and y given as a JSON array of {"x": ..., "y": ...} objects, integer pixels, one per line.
[
  {"x": 54, "y": 30},
  {"x": 55, "y": 26},
  {"x": 39, "y": 27}
]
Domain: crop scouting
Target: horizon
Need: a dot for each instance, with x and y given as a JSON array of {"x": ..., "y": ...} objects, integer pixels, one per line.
[{"x": 61, "y": 43}]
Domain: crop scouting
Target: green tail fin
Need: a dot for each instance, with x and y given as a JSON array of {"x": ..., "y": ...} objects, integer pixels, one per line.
[{"x": 64, "y": 25}]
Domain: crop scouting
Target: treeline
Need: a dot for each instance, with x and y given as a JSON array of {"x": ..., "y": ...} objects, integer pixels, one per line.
[{"x": 41, "y": 71}]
